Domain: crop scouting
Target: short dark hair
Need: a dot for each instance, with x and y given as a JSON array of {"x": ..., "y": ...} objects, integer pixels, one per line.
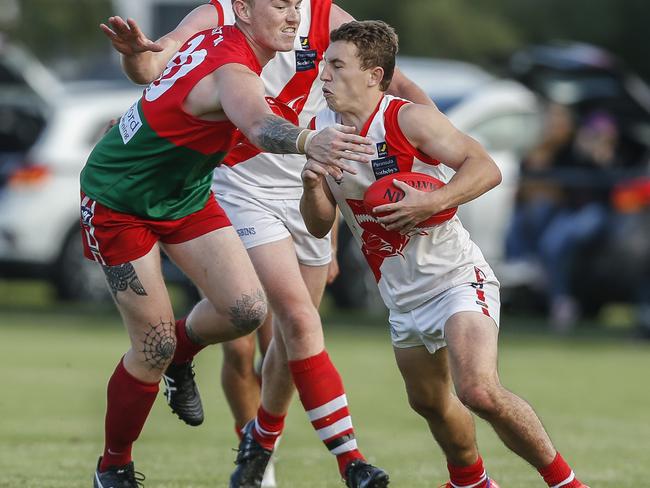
[{"x": 376, "y": 44}]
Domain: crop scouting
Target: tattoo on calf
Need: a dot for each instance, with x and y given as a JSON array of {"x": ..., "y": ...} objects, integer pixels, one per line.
[
  {"x": 277, "y": 135},
  {"x": 121, "y": 277},
  {"x": 249, "y": 311},
  {"x": 159, "y": 344}
]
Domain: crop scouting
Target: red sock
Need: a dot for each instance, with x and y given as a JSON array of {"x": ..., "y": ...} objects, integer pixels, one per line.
[
  {"x": 268, "y": 428},
  {"x": 128, "y": 405},
  {"x": 473, "y": 475},
  {"x": 559, "y": 473},
  {"x": 185, "y": 348},
  {"x": 322, "y": 395}
]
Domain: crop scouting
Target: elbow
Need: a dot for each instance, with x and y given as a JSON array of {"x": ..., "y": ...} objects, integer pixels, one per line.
[
  {"x": 497, "y": 177},
  {"x": 318, "y": 231},
  {"x": 140, "y": 79}
]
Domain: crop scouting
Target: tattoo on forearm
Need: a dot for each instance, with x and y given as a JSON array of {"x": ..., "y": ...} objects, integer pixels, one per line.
[
  {"x": 277, "y": 135},
  {"x": 159, "y": 344},
  {"x": 121, "y": 277},
  {"x": 192, "y": 336},
  {"x": 249, "y": 311}
]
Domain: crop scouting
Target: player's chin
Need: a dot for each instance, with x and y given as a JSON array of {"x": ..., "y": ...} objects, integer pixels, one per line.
[
  {"x": 285, "y": 43},
  {"x": 331, "y": 102}
]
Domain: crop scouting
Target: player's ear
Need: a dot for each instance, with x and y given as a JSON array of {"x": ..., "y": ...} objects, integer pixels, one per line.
[
  {"x": 376, "y": 75},
  {"x": 242, "y": 9}
]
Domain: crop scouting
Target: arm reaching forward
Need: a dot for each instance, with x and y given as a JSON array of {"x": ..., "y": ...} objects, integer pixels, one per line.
[
  {"x": 143, "y": 59},
  {"x": 241, "y": 94}
]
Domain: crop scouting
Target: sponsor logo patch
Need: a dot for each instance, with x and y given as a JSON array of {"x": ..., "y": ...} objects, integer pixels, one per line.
[
  {"x": 246, "y": 231},
  {"x": 305, "y": 60},
  {"x": 130, "y": 123},
  {"x": 384, "y": 166},
  {"x": 86, "y": 215}
]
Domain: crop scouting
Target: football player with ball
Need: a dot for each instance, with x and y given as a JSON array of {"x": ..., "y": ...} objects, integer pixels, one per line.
[{"x": 442, "y": 296}]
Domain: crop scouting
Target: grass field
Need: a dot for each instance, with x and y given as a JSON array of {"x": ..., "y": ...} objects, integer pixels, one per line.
[{"x": 592, "y": 394}]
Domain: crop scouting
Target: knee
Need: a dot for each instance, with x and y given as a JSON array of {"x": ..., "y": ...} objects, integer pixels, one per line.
[
  {"x": 428, "y": 408},
  {"x": 240, "y": 353},
  {"x": 249, "y": 312},
  {"x": 158, "y": 348},
  {"x": 482, "y": 399},
  {"x": 299, "y": 323}
]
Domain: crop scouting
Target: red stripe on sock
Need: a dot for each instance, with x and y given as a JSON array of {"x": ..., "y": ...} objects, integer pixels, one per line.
[{"x": 331, "y": 418}]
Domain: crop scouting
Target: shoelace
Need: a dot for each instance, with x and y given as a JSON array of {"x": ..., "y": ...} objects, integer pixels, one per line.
[
  {"x": 138, "y": 478},
  {"x": 133, "y": 476}
]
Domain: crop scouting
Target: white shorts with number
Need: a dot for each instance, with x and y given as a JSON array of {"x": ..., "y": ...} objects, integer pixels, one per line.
[
  {"x": 259, "y": 222},
  {"x": 425, "y": 325}
]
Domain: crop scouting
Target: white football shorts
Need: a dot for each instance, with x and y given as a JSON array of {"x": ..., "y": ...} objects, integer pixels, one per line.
[
  {"x": 259, "y": 222},
  {"x": 425, "y": 325}
]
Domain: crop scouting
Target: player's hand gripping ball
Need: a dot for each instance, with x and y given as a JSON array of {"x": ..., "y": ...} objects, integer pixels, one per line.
[{"x": 384, "y": 191}]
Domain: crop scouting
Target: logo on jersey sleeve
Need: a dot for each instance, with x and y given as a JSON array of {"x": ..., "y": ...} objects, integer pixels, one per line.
[
  {"x": 305, "y": 56},
  {"x": 385, "y": 165}
]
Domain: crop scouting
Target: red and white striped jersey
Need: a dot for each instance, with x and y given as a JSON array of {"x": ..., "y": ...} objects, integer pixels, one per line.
[
  {"x": 409, "y": 269},
  {"x": 293, "y": 79}
]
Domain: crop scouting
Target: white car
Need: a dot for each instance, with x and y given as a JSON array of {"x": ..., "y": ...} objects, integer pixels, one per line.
[
  {"x": 501, "y": 114},
  {"x": 39, "y": 204}
]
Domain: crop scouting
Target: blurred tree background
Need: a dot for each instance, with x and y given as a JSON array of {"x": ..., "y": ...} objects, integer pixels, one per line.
[
  {"x": 488, "y": 31},
  {"x": 484, "y": 32}
]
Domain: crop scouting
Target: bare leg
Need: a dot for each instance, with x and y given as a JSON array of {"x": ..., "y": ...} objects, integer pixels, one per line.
[
  {"x": 472, "y": 343},
  {"x": 428, "y": 385},
  {"x": 277, "y": 387},
  {"x": 140, "y": 295},
  {"x": 239, "y": 380},
  {"x": 235, "y": 303}
]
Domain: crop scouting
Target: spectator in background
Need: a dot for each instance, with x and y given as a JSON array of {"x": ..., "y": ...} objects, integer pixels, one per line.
[
  {"x": 563, "y": 203},
  {"x": 538, "y": 200}
]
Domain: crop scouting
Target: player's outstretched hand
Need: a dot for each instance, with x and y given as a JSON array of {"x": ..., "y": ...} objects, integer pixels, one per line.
[
  {"x": 127, "y": 38},
  {"x": 404, "y": 215},
  {"x": 338, "y": 146}
]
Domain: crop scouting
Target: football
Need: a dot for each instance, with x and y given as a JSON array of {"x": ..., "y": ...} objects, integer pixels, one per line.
[{"x": 384, "y": 191}]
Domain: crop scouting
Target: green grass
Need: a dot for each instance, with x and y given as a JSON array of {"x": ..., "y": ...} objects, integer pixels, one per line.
[{"x": 592, "y": 395}]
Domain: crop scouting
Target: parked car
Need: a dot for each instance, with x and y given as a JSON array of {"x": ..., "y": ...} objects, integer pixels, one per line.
[
  {"x": 39, "y": 202},
  {"x": 504, "y": 116},
  {"x": 587, "y": 77},
  {"x": 26, "y": 90}
]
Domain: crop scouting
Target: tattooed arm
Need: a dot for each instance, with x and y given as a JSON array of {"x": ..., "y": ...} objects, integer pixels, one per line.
[{"x": 241, "y": 97}]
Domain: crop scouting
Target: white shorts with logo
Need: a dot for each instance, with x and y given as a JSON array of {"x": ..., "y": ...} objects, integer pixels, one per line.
[
  {"x": 259, "y": 222},
  {"x": 425, "y": 325}
]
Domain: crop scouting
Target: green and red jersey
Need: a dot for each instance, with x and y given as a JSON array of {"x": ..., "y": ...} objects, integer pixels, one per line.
[{"x": 157, "y": 162}]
